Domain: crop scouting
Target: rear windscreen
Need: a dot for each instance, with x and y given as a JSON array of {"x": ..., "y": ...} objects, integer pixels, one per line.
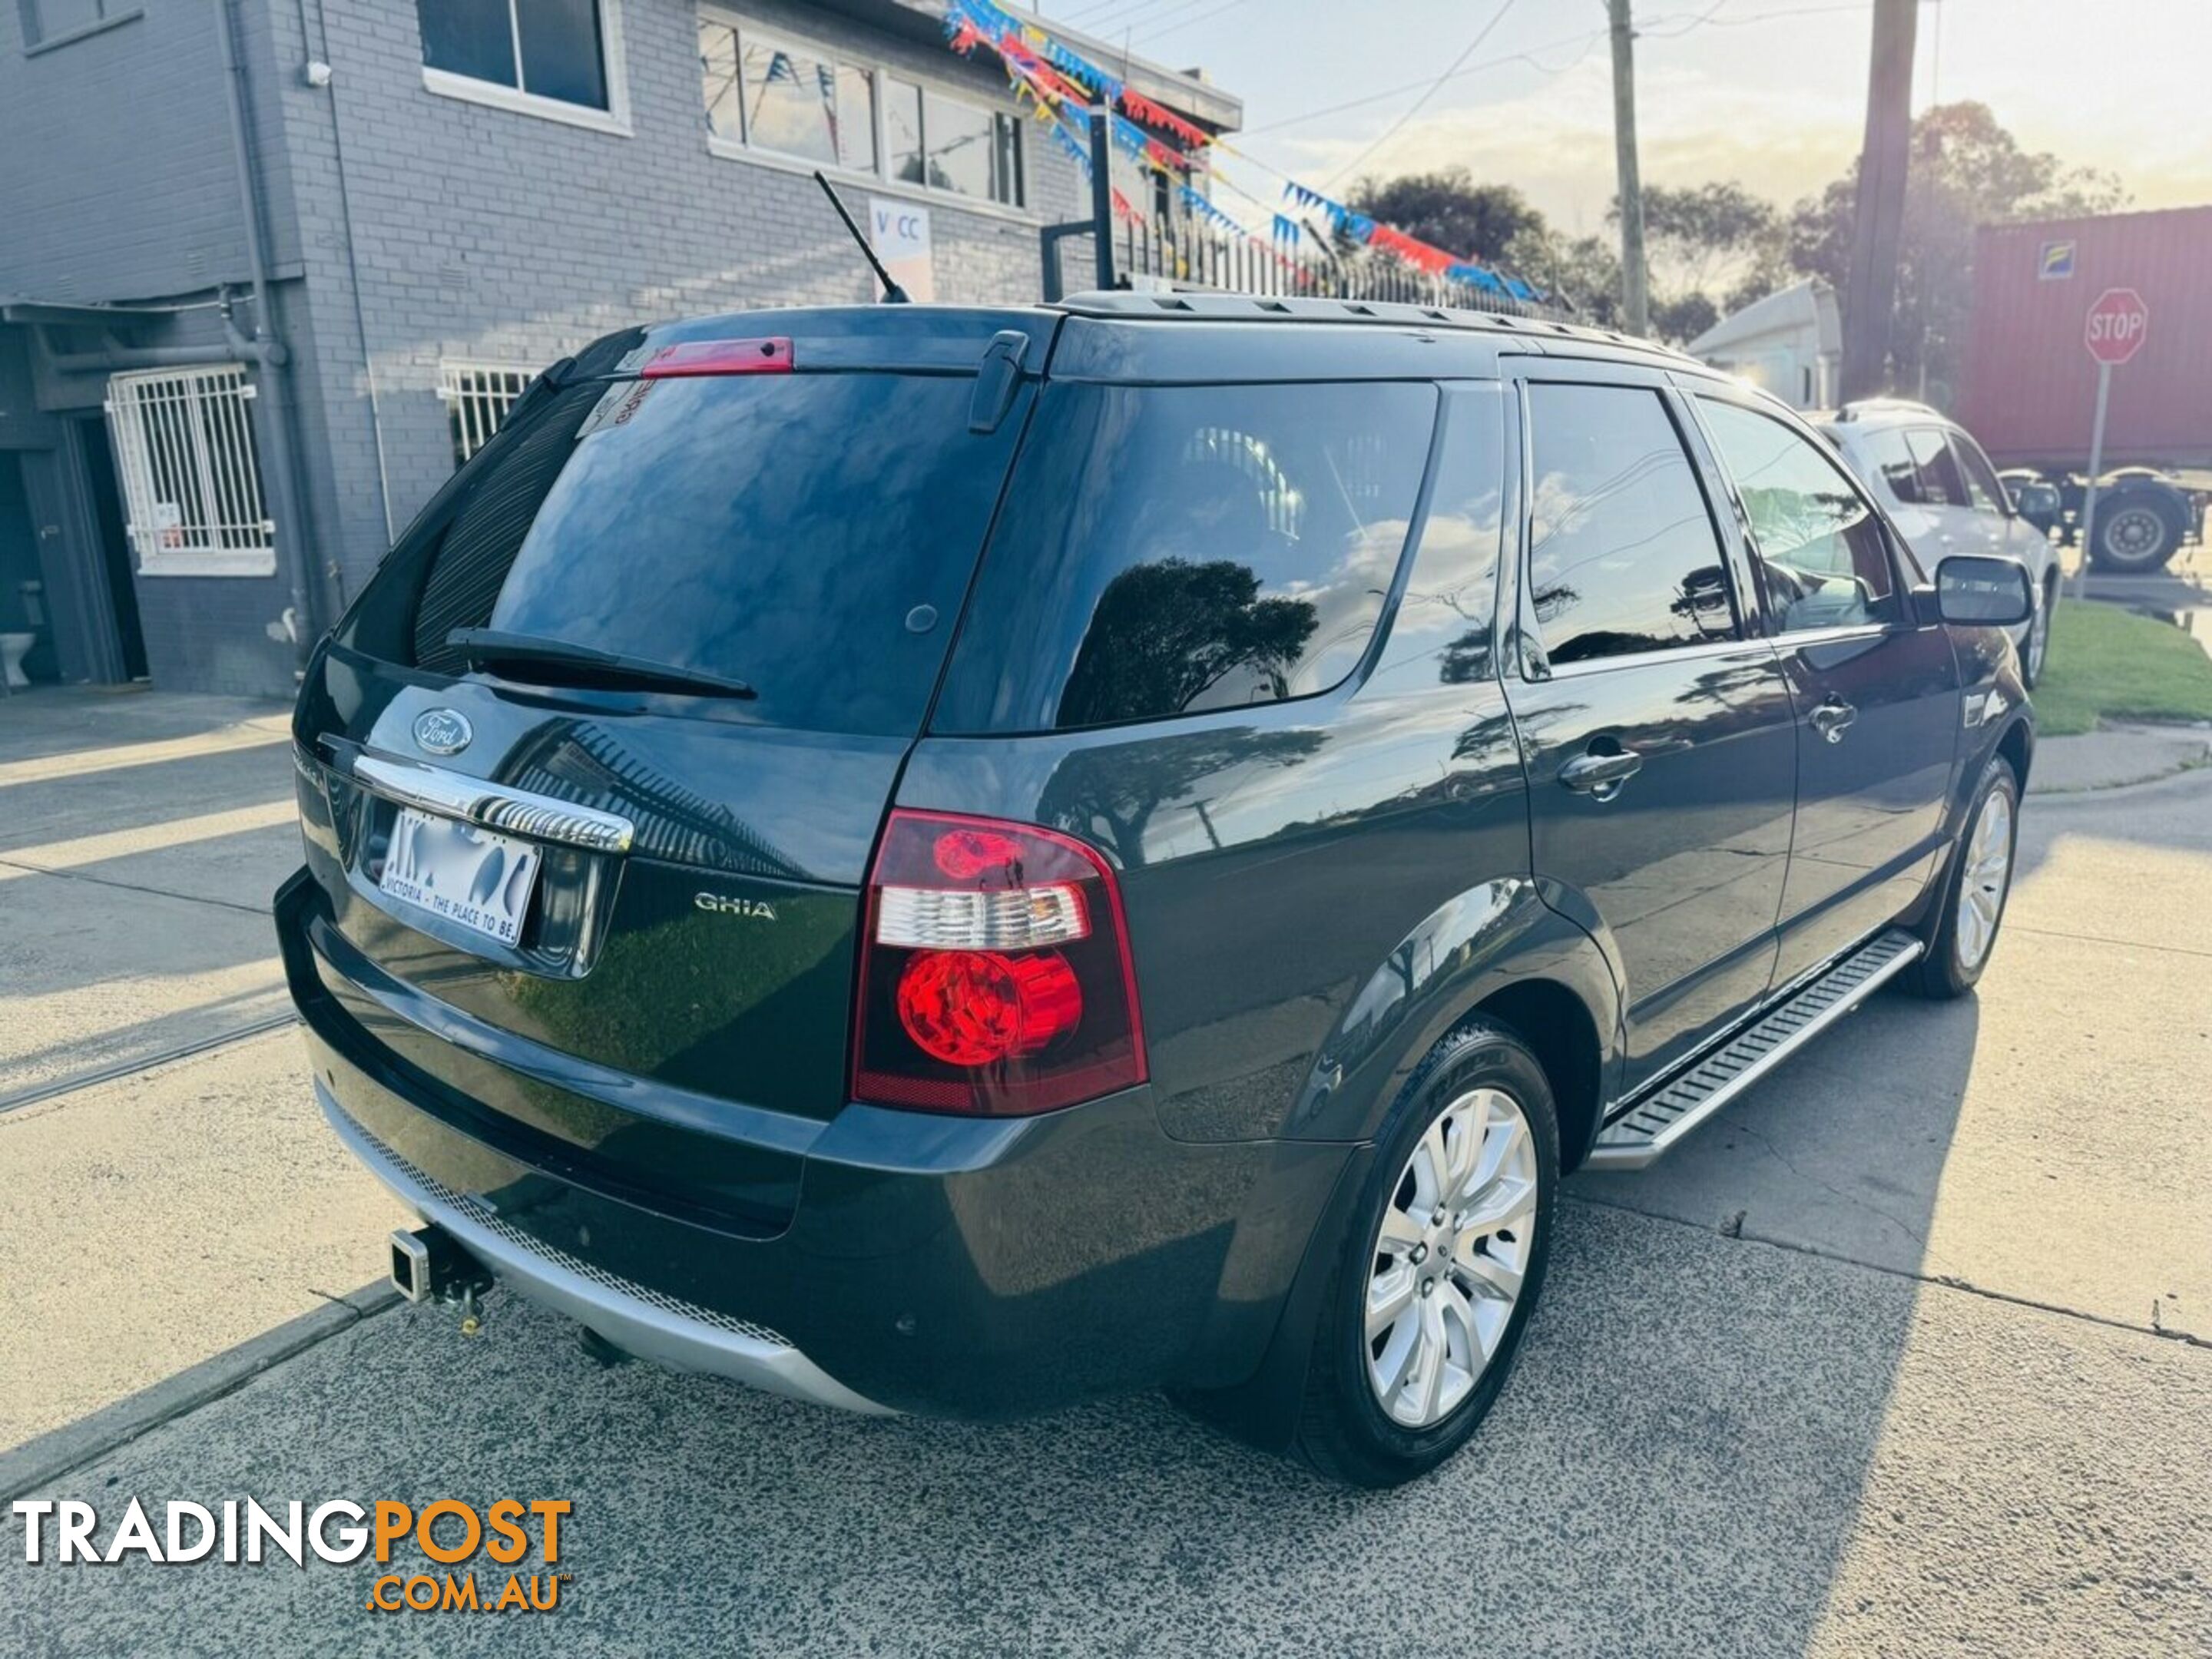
[
  {"x": 811, "y": 535},
  {"x": 1168, "y": 549}
]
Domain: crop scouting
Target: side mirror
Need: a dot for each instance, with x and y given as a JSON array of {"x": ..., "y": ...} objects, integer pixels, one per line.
[{"x": 1980, "y": 589}]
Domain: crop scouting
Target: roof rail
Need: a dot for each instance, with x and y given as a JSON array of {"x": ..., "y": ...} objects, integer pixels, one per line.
[{"x": 1251, "y": 307}]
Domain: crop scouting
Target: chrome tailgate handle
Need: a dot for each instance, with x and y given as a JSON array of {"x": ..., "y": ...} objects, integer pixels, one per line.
[{"x": 494, "y": 805}]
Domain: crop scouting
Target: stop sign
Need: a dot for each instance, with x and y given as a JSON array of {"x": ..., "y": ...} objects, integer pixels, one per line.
[{"x": 2117, "y": 326}]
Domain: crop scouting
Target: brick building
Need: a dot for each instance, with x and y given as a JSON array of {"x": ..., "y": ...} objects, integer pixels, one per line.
[{"x": 270, "y": 268}]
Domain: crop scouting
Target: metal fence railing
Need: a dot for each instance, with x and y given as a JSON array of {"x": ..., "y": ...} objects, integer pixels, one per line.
[
  {"x": 1188, "y": 255},
  {"x": 477, "y": 397}
]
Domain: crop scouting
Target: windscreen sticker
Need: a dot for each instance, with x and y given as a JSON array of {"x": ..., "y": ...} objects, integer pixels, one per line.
[{"x": 617, "y": 406}]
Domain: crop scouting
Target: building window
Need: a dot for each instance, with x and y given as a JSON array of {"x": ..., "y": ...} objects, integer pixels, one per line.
[
  {"x": 775, "y": 94},
  {"x": 948, "y": 144},
  {"x": 768, "y": 92},
  {"x": 477, "y": 397},
  {"x": 546, "y": 57},
  {"x": 51, "y": 22},
  {"x": 191, "y": 473}
]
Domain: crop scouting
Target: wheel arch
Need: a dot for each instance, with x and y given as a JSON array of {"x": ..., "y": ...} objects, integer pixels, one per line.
[{"x": 1497, "y": 951}]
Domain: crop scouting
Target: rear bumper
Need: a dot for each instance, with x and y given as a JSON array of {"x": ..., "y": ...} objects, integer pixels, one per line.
[
  {"x": 955, "y": 1267},
  {"x": 678, "y": 1335}
]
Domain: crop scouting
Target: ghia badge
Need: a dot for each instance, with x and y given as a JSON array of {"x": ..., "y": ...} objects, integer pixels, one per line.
[
  {"x": 728, "y": 905},
  {"x": 442, "y": 731}
]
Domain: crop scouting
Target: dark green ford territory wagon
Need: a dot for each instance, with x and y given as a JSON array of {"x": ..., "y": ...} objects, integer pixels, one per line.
[{"x": 954, "y": 860}]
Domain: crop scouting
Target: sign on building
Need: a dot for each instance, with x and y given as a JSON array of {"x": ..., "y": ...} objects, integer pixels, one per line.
[{"x": 899, "y": 231}]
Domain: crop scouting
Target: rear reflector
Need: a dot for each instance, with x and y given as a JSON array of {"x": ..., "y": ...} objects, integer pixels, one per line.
[
  {"x": 770, "y": 355},
  {"x": 995, "y": 976}
]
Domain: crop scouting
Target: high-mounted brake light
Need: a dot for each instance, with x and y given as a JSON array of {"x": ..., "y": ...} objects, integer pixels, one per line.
[
  {"x": 770, "y": 355},
  {"x": 995, "y": 975}
]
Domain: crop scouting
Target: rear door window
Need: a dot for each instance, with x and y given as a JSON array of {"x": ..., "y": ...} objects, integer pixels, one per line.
[
  {"x": 1942, "y": 483},
  {"x": 1623, "y": 553},
  {"x": 1889, "y": 455},
  {"x": 1981, "y": 478},
  {"x": 1441, "y": 634},
  {"x": 1166, "y": 551},
  {"x": 810, "y": 534}
]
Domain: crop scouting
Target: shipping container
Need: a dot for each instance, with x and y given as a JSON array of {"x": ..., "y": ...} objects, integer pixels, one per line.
[{"x": 2029, "y": 388}]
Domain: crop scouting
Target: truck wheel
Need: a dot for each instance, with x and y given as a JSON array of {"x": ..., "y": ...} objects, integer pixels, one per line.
[
  {"x": 2134, "y": 535},
  {"x": 1963, "y": 930},
  {"x": 1424, "y": 1311}
]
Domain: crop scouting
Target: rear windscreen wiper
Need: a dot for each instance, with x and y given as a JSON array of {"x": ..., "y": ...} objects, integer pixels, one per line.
[{"x": 486, "y": 649}]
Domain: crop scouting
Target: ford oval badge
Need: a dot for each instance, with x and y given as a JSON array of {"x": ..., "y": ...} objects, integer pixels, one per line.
[{"x": 442, "y": 731}]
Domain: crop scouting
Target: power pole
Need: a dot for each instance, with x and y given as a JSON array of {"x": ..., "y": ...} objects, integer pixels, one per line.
[
  {"x": 1878, "y": 216},
  {"x": 1635, "y": 296}
]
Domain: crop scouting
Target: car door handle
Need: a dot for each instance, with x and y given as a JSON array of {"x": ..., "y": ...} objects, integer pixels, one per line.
[
  {"x": 1600, "y": 775},
  {"x": 1832, "y": 718}
]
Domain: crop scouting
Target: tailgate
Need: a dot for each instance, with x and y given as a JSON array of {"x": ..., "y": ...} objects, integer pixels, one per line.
[{"x": 684, "y": 869}]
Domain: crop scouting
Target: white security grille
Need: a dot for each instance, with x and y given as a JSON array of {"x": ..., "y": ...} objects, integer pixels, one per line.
[
  {"x": 191, "y": 473},
  {"x": 477, "y": 397}
]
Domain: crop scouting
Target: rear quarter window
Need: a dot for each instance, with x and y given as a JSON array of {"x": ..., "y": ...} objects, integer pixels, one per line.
[{"x": 1166, "y": 551}]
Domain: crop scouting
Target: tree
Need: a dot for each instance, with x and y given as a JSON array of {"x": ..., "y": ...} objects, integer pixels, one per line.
[
  {"x": 1713, "y": 248},
  {"x": 1702, "y": 236},
  {"x": 1681, "y": 318},
  {"x": 1966, "y": 170},
  {"x": 1585, "y": 269},
  {"x": 1451, "y": 210}
]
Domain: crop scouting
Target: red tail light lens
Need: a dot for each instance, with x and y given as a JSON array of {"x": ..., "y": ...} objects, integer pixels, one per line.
[{"x": 995, "y": 976}]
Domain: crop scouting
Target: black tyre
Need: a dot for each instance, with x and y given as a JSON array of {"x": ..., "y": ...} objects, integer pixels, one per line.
[
  {"x": 1424, "y": 1313},
  {"x": 2136, "y": 532},
  {"x": 1961, "y": 934}
]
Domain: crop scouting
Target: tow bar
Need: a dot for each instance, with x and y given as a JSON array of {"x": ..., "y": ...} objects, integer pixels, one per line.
[{"x": 429, "y": 1264}]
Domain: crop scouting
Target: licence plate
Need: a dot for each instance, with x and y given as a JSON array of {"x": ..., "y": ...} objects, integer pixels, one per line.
[{"x": 469, "y": 875}]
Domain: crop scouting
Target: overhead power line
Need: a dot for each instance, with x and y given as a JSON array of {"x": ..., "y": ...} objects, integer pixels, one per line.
[
  {"x": 1434, "y": 88},
  {"x": 1581, "y": 44}
]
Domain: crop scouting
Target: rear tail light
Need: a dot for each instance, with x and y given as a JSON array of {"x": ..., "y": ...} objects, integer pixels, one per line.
[
  {"x": 995, "y": 976},
  {"x": 768, "y": 355}
]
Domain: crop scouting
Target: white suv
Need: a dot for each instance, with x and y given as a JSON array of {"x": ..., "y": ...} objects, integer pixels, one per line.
[{"x": 1944, "y": 495}]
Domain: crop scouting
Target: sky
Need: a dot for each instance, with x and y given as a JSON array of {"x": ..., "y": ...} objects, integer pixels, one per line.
[{"x": 1769, "y": 93}]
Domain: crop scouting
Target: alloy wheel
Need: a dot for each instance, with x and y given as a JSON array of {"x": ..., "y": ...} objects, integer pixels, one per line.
[
  {"x": 1454, "y": 1243},
  {"x": 1982, "y": 890},
  {"x": 2039, "y": 642}
]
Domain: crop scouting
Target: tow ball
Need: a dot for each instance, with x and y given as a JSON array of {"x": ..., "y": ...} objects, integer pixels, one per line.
[{"x": 430, "y": 1264}]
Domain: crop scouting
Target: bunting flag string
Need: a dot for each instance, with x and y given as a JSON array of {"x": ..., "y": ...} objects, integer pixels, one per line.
[{"x": 1062, "y": 80}]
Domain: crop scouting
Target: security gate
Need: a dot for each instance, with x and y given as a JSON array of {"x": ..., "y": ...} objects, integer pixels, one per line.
[{"x": 185, "y": 456}]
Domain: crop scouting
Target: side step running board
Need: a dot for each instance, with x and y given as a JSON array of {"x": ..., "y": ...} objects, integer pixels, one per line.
[{"x": 1651, "y": 1129}]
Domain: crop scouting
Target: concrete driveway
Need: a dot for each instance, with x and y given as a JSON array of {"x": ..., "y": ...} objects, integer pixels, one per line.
[{"x": 1911, "y": 1352}]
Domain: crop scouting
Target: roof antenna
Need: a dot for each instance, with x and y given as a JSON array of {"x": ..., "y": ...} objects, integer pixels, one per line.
[{"x": 893, "y": 293}]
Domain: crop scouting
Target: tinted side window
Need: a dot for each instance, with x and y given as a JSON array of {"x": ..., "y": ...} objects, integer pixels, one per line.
[
  {"x": 1982, "y": 485},
  {"x": 1820, "y": 546},
  {"x": 1623, "y": 555},
  {"x": 1887, "y": 453},
  {"x": 1167, "y": 549},
  {"x": 1942, "y": 484},
  {"x": 1442, "y": 633}
]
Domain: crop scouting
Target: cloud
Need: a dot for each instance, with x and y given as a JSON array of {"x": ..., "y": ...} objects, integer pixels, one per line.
[{"x": 1555, "y": 142}]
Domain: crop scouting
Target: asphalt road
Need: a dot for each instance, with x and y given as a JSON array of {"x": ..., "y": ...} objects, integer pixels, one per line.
[{"x": 1911, "y": 1352}]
